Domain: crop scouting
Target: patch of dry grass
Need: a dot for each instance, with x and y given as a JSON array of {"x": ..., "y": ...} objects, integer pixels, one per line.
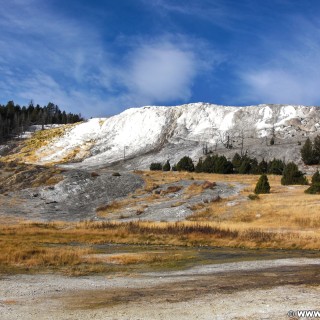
[
  {"x": 285, "y": 218},
  {"x": 148, "y": 257},
  {"x": 286, "y": 207},
  {"x": 46, "y": 246}
]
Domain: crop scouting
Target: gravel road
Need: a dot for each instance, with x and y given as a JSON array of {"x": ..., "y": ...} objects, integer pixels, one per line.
[{"x": 240, "y": 290}]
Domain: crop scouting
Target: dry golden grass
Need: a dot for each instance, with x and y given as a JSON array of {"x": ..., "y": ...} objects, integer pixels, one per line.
[
  {"x": 285, "y": 218},
  {"x": 286, "y": 207},
  {"x": 144, "y": 257},
  {"x": 44, "y": 246}
]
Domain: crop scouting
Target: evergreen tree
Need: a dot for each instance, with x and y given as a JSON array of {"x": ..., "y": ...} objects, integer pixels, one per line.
[
  {"x": 254, "y": 166},
  {"x": 276, "y": 166},
  {"x": 245, "y": 167},
  {"x": 166, "y": 166},
  {"x": 263, "y": 167},
  {"x": 308, "y": 153},
  {"x": 316, "y": 149},
  {"x": 315, "y": 177},
  {"x": 262, "y": 185},
  {"x": 14, "y": 120},
  {"x": 222, "y": 165},
  {"x": 199, "y": 166},
  {"x": 185, "y": 164},
  {"x": 292, "y": 175},
  {"x": 315, "y": 184},
  {"x": 156, "y": 166},
  {"x": 236, "y": 162},
  {"x": 314, "y": 188},
  {"x": 208, "y": 164}
]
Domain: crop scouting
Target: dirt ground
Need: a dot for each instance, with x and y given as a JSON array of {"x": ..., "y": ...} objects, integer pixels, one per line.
[{"x": 240, "y": 290}]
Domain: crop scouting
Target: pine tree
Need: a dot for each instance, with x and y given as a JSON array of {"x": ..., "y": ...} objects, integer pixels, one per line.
[
  {"x": 208, "y": 164},
  {"x": 316, "y": 149},
  {"x": 315, "y": 185},
  {"x": 236, "y": 161},
  {"x": 263, "y": 167},
  {"x": 222, "y": 165},
  {"x": 245, "y": 165},
  {"x": 276, "y": 166},
  {"x": 315, "y": 177},
  {"x": 199, "y": 166},
  {"x": 308, "y": 153},
  {"x": 262, "y": 185},
  {"x": 292, "y": 175},
  {"x": 166, "y": 166},
  {"x": 156, "y": 166},
  {"x": 185, "y": 164}
]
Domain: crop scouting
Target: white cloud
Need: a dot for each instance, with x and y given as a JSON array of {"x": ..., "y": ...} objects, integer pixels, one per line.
[
  {"x": 48, "y": 57},
  {"x": 161, "y": 72}
]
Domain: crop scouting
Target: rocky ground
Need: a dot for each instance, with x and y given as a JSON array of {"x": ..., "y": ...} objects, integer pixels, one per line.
[
  {"x": 255, "y": 289},
  {"x": 55, "y": 193},
  {"x": 73, "y": 198}
]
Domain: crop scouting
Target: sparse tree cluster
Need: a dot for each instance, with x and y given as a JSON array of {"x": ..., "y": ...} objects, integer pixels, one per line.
[
  {"x": 247, "y": 165},
  {"x": 15, "y": 120},
  {"x": 220, "y": 164},
  {"x": 214, "y": 164},
  {"x": 310, "y": 152}
]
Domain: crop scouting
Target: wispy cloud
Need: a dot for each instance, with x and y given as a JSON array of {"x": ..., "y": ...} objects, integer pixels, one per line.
[
  {"x": 68, "y": 63},
  {"x": 289, "y": 73}
]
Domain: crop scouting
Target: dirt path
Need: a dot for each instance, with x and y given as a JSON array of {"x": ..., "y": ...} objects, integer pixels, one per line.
[{"x": 241, "y": 290}]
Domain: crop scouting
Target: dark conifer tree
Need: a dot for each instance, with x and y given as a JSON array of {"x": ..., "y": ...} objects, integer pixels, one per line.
[
  {"x": 292, "y": 175},
  {"x": 307, "y": 153},
  {"x": 166, "y": 166},
  {"x": 262, "y": 185}
]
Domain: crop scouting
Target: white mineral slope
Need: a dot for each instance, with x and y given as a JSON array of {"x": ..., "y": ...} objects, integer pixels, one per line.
[{"x": 160, "y": 133}]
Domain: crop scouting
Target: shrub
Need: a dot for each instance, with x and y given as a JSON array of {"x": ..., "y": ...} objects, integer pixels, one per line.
[
  {"x": 292, "y": 175},
  {"x": 253, "y": 196},
  {"x": 94, "y": 174},
  {"x": 116, "y": 174},
  {"x": 166, "y": 166},
  {"x": 185, "y": 164},
  {"x": 156, "y": 166},
  {"x": 174, "y": 168},
  {"x": 262, "y": 185}
]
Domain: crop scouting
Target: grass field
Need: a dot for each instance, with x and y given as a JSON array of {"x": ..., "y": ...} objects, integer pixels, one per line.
[{"x": 287, "y": 218}]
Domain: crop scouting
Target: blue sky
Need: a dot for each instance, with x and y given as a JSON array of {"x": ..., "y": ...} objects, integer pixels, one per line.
[{"x": 99, "y": 57}]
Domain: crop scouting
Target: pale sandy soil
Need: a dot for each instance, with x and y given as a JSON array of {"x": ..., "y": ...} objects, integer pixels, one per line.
[{"x": 241, "y": 290}]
